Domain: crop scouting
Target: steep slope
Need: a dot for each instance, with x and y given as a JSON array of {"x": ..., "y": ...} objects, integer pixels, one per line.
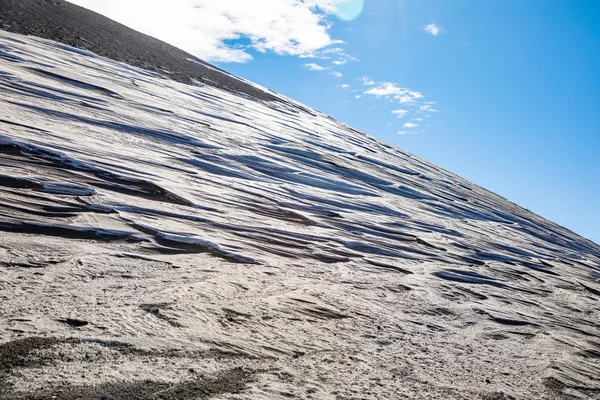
[{"x": 163, "y": 240}]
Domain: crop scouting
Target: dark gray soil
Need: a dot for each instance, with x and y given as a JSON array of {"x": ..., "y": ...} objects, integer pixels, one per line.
[
  {"x": 28, "y": 353},
  {"x": 20, "y": 354},
  {"x": 17, "y": 354},
  {"x": 79, "y": 27},
  {"x": 232, "y": 381}
]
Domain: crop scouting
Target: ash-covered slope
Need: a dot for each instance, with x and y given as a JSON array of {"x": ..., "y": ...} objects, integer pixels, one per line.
[{"x": 163, "y": 240}]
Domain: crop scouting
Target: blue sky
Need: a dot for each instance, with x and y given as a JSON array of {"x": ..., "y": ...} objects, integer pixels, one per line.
[{"x": 504, "y": 93}]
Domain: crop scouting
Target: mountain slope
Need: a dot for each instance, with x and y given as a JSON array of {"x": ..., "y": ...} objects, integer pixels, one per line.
[{"x": 163, "y": 240}]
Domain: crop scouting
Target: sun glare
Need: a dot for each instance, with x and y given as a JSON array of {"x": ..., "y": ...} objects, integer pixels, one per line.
[{"x": 349, "y": 10}]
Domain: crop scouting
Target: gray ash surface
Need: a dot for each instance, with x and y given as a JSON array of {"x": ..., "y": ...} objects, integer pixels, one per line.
[{"x": 170, "y": 241}]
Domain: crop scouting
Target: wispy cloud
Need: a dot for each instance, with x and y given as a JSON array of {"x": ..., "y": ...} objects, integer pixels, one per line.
[
  {"x": 389, "y": 89},
  {"x": 367, "y": 81},
  {"x": 336, "y": 74},
  {"x": 337, "y": 54},
  {"x": 344, "y": 86},
  {"x": 383, "y": 89},
  {"x": 433, "y": 29},
  {"x": 403, "y": 99},
  {"x": 209, "y": 29},
  {"x": 400, "y": 112},
  {"x": 427, "y": 107},
  {"x": 315, "y": 67},
  {"x": 412, "y": 102}
]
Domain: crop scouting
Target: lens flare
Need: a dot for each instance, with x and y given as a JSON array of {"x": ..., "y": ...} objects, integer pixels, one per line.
[{"x": 349, "y": 10}]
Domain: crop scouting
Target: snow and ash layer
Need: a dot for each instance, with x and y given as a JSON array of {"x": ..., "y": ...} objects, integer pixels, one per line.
[{"x": 163, "y": 240}]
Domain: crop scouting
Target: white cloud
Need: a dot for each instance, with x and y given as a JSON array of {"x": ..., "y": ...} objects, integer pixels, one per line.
[
  {"x": 433, "y": 29},
  {"x": 314, "y": 67},
  {"x": 400, "y": 112},
  {"x": 427, "y": 108},
  {"x": 387, "y": 89},
  {"x": 367, "y": 81},
  {"x": 344, "y": 86},
  {"x": 389, "y": 124},
  {"x": 358, "y": 96},
  {"x": 206, "y": 28},
  {"x": 411, "y": 100},
  {"x": 343, "y": 58},
  {"x": 384, "y": 89},
  {"x": 336, "y": 74}
]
